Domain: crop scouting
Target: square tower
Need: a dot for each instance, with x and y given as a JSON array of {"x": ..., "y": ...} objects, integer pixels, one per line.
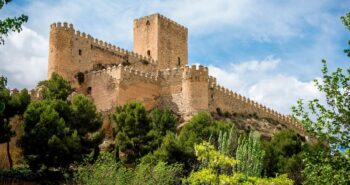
[{"x": 161, "y": 39}]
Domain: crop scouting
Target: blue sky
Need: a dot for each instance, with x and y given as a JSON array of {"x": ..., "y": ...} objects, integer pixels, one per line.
[{"x": 269, "y": 51}]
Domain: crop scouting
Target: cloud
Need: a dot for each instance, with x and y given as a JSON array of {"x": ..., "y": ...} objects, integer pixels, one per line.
[
  {"x": 259, "y": 81},
  {"x": 23, "y": 58}
]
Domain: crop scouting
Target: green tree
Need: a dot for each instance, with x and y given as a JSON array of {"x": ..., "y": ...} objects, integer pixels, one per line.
[
  {"x": 250, "y": 154},
  {"x": 10, "y": 24},
  {"x": 132, "y": 127},
  {"x": 329, "y": 122},
  {"x": 201, "y": 127},
  {"x": 227, "y": 144},
  {"x": 58, "y": 132},
  {"x": 12, "y": 104},
  {"x": 346, "y": 22},
  {"x": 211, "y": 172},
  {"x": 161, "y": 122},
  {"x": 55, "y": 88},
  {"x": 284, "y": 154},
  {"x": 180, "y": 148}
]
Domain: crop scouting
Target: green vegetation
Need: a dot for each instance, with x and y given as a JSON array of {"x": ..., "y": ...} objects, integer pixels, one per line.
[
  {"x": 106, "y": 171},
  {"x": 58, "y": 132},
  {"x": 329, "y": 122},
  {"x": 11, "y": 105},
  {"x": 215, "y": 170},
  {"x": 284, "y": 155},
  {"x": 10, "y": 24},
  {"x": 250, "y": 154},
  {"x": 139, "y": 132},
  {"x": 61, "y": 137}
]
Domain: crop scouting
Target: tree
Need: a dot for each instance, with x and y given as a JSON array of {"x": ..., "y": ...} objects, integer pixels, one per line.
[
  {"x": 227, "y": 144},
  {"x": 10, "y": 24},
  {"x": 132, "y": 127},
  {"x": 180, "y": 148},
  {"x": 57, "y": 131},
  {"x": 12, "y": 104},
  {"x": 329, "y": 122},
  {"x": 250, "y": 154},
  {"x": 212, "y": 170},
  {"x": 284, "y": 154},
  {"x": 161, "y": 122},
  {"x": 55, "y": 88},
  {"x": 346, "y": 22}
]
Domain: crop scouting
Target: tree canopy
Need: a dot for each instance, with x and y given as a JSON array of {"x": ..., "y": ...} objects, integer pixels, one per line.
[
  {"x": 57, "y": 131},
  {"x": 10, "y": 24}
]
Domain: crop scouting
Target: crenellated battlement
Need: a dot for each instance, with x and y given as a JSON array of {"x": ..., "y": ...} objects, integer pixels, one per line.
[
  {"x": 100, "y": 43},
  {"x": 168, "y": 73},
  {"x": 126, "y": 71},
  {"x": 196, "y": 73},
  {"x": 63, "y": 25},
  {"x": 166, "y": 19},
  {"x": 255, "y": 106}
]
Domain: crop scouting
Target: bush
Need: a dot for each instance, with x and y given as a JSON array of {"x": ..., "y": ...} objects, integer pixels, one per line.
[
  {"x": 106, "y": 171},
  {"x": 284, "y": 154}
]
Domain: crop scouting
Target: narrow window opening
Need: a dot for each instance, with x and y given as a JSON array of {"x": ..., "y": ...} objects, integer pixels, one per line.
[
  {"x": 80, "y": 52},
  {"x": 88, "y": 91},
  {"x": 178, "y": 61},
  {"x": 149, "y": 53},
  {"x": 148, "y": 23}
]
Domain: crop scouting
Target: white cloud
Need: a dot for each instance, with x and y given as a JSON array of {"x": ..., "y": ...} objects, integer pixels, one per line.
[
  {"x": 23, "y": 58},
  {"x": 258, "y": 81}
]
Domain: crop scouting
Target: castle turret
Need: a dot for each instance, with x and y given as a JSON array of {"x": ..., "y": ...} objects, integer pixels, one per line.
[
  {"x": 60, "y": 50},
  {"x": 161, "y": 39},
  {"x": 195, "y": 89}
]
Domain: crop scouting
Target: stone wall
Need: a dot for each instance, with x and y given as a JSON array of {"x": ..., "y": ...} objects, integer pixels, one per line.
[
  {"x": 229, "y": 101},
  {"x": 119, "y": 84},
  {"x": 172, "y": 43},
  {"x": 72, "y": 52}
]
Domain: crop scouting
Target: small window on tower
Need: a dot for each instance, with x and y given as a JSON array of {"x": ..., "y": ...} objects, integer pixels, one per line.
[
  {"x": 80, "y": 52},
  {"x": 148, "y": 23},
  {"x": 149, "y": 53},
  {"x": 88, "y": 91},
  {"x": 178, "y": 61}
]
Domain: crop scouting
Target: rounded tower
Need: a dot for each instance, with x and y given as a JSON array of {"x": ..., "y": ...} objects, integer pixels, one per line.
[
  {"x": 60, "y": 50},
  {"x": 195, "y": 89}
]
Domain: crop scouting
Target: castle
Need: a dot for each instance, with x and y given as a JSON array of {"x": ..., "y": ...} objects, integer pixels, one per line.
[{"x": 155, "y": 72}]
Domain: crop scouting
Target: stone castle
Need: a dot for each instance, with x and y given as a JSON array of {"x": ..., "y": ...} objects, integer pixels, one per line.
[{"x": 155, "y": 72}]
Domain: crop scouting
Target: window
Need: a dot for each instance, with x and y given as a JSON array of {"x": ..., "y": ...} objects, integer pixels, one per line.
[
  {"x": 149, "y": 53},
  {"x": 178, "y": 61},
  {"x": 148, "y": 23},
  {"x": 88, "y": 91},
  {"x": 80, "y": 52}
]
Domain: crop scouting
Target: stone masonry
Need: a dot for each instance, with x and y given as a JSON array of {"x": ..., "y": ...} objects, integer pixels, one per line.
[{"x": 155, "y": 73}]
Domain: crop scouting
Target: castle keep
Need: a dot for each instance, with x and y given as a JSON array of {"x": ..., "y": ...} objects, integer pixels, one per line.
[{"x": 155, "y": 72}]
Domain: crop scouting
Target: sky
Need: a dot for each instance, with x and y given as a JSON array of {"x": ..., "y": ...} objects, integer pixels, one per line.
[{"x": 267, "y": 50}]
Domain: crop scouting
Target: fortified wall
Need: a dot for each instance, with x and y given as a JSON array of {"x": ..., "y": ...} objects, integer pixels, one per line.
[{"x": 155, "y": 72}]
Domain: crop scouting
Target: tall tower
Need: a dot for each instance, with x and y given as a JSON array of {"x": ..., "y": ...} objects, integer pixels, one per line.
[
  {"x": 60, "y": 50},
  {"x": 162, "y": 39}
]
